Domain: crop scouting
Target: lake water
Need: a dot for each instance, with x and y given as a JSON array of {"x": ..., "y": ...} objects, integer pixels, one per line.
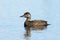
[{"x": 12, "y": 26}]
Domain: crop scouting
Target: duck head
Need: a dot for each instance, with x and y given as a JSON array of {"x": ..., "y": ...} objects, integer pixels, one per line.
[{"x": 26, "y": 15}]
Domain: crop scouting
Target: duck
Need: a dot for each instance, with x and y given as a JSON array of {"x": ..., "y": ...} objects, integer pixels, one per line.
[{"x": 33, "y": 24}]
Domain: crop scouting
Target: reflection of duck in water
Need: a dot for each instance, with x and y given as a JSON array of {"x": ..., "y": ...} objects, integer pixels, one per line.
[{"x": 34, "y": 24}]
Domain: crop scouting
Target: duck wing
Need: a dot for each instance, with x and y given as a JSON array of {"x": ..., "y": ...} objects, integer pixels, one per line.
[{"x": 39, "y": 22}]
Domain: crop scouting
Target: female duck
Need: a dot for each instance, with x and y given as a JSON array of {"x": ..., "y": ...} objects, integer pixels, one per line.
[{"x": 34, "y": 24}]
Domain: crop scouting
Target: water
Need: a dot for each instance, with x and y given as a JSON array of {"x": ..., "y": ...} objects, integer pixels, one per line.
[
  {"x": 12, "y": 27},
  {"x": 12, "y": 32}
]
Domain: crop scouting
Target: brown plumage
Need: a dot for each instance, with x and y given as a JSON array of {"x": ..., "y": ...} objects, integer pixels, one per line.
[{"x": 33, "y": 24}]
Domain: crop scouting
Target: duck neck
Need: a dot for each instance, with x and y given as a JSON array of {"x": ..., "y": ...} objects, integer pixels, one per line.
[{"x": 28, "y": 19}]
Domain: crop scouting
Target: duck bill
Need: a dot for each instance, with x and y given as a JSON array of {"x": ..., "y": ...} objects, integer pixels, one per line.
[{"x": 22, "y": 16}]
